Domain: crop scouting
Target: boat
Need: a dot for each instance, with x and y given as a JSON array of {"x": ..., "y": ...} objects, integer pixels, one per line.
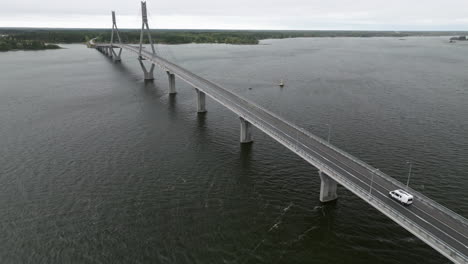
[{"x": 281, "y": 84}]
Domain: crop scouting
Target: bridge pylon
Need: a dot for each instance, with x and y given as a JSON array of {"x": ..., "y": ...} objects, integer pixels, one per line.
[
  {"x": 113, "y": 54},
  {"x": 145, "y": 27}
]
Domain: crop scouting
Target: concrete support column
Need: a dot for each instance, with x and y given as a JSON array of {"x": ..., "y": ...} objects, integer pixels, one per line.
[
  {"x": 147, "y": 74},
  {"x": 116, "y": 56},
  {"x": 245, "y": 131},
  {"x": 200, "y": 101},
  {"x": 327, "y": 188},
  {"x": 171, "y": 76}
]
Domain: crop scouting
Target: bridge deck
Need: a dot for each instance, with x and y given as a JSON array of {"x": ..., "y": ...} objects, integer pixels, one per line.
[{"x": 436, "y": 225}]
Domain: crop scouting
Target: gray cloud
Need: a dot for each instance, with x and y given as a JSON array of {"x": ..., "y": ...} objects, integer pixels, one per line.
[{"x": 259, "y": 14}]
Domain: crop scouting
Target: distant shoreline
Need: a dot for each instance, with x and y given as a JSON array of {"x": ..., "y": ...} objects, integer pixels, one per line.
[
  {"x": 170, "y": 37},
  {"x": 31, "y": 49},
  {"x": 11, "y": 43}
]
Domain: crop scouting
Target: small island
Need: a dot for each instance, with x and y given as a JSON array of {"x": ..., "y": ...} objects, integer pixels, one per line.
[
  {"x": 460, "y": 38},
  {"x": 8, "y": 43}
]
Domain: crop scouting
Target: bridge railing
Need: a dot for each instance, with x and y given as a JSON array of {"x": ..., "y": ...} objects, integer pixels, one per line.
[
  {"x": 294, "y": 144},
  {"x": 163, "y": 63},
  {"x": 364, "y": 194},
  {"x": 421, "y": 197}
]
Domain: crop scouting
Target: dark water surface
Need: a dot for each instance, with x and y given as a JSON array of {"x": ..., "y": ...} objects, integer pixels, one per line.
[{"x": 99, "y": 167}]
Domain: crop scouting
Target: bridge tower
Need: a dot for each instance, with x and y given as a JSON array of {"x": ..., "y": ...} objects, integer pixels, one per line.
[
  {"x": 145, "y": 27},
  {"x": 115, "y": 29}
]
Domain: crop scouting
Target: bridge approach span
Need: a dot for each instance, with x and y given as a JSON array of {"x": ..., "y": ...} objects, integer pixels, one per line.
[{"x": 437, "y": 226}]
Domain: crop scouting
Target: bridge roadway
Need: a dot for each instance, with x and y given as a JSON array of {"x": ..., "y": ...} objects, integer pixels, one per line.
[{"x": 442, "y": 229}]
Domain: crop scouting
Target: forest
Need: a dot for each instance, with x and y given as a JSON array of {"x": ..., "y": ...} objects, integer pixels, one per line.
[
  {"x": 36, "y": 38},
  {"x": 11, "y": 43}
]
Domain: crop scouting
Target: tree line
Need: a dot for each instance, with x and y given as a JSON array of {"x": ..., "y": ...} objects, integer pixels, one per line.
[
  {"x": 10, "y": 43},
  {"x": 37, "y": 38}
]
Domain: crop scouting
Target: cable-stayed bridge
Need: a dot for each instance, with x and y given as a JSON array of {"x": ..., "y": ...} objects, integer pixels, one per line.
[{"x": 436, "y": 225}]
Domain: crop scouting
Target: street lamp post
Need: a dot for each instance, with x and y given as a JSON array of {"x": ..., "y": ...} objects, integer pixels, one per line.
[
  {"x": 329, "y": 132},
  {"x": 409, "y": 173}
]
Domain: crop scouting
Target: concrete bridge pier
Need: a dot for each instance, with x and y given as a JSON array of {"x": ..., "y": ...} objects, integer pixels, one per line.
[
  {"x": 172, "y": 88},
  {"x": 147, "y": 74},
  {"x": 116, "y": 56},
  {"x": 201, "y": 107},
  {"x": 245, "y": 131},
  {"x": 327, "y": 188}
]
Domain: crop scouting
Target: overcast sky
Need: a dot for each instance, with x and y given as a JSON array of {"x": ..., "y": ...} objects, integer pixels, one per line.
[{"x": 241, "y": 14}]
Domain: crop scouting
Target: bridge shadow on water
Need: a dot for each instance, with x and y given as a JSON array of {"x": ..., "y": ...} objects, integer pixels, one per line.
[
  {"x": 245, "y": 155},
  {"x": 150, "y": 87},
  {"x": 153, "y": 93},
  {"x": 172, "y": 104},
  {"x": 328, "y": 210},
  {"x": 122, "y": 69},
  {"x": 201, "y": 121}
]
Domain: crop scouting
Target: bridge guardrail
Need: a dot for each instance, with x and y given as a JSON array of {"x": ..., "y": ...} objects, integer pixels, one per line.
[
  {"x": 421, "y": 197},
  {"x": 421, "y": 233},
  {"x": 374, "y": 201},
  {"x": 364, "y": 194},
  {"x": 388, "y": 178}
]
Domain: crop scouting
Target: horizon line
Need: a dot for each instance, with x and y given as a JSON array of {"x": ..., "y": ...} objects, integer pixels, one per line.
[{"x": 258, "y": 29}]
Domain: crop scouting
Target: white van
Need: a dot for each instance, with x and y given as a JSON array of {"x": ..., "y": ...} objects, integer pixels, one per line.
[{"x": 401, "y": 196}]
